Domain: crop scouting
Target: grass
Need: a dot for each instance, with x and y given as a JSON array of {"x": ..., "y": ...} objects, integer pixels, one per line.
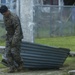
[
  {"x": 1, "y": 65},
  {"x": 2, "y": 31},
  {"x": 2, "y": 43},
  {"x": 65, "y": 42},
  {"x": 70, "y": 63}
]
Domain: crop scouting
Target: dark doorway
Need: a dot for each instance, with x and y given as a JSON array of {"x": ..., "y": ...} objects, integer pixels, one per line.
[
  {"x": 69, "y": 2},
  {"x": 50, "y": 2}
]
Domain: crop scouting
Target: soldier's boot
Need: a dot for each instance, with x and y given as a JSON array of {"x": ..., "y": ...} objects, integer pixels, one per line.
[
  {"x": 4, "y": 62},
  {"x": 20, "y": 67},
  {"x": 12, "y": 70}
]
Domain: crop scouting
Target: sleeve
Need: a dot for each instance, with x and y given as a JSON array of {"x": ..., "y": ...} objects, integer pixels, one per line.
[
  {"x": 6, "y": 37},
  {"x": 17, "y": 33},
  {"x": 7, "y": 34}
]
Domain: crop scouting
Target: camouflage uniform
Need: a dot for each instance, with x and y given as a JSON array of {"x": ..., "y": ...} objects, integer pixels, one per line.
[{"x": 13, "y": 39}]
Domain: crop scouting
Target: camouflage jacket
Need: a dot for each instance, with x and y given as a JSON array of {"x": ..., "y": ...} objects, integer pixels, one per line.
[{"x": 13, "y": 28}]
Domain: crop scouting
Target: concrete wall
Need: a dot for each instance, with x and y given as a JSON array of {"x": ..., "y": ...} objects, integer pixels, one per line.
[{"x": 26, "y": 16}]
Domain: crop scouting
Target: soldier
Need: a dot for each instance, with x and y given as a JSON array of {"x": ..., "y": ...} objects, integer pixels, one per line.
[{"x": 13, "y": 39}]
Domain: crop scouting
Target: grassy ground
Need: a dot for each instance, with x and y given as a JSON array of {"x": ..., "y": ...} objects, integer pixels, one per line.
[
  {"x": 1, "y": 65},
  {"x": 65, "y": 42},
  {"x": 2, "y": 43}
]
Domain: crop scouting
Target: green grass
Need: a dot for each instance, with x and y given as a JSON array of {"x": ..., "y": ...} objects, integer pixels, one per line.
[
  {"x": 2, "y": 31},
  {"x": 1, "y": 65},
  {"x": 64, "y": 42},
  {"x": 69, "y": 64},
  {"x": 2, "y": 43}
]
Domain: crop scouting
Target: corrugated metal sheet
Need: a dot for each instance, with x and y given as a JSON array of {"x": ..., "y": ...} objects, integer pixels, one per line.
[{"x": 40, "y": 56}]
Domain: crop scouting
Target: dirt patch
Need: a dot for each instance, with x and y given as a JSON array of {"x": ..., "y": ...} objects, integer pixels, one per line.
[{"x": 34, "y": 72}]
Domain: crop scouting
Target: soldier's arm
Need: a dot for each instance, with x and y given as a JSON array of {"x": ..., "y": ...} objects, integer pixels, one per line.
[
  {"x": 17, "y": 33},
  {"x": 6, "y": 30}
]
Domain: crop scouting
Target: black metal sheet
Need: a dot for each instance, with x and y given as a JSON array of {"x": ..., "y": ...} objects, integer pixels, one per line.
[{"x": 41, "y": 56}]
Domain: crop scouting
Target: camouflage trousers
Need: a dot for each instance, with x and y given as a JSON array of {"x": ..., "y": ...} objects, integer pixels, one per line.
[{"x": 13, "y": 54}]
